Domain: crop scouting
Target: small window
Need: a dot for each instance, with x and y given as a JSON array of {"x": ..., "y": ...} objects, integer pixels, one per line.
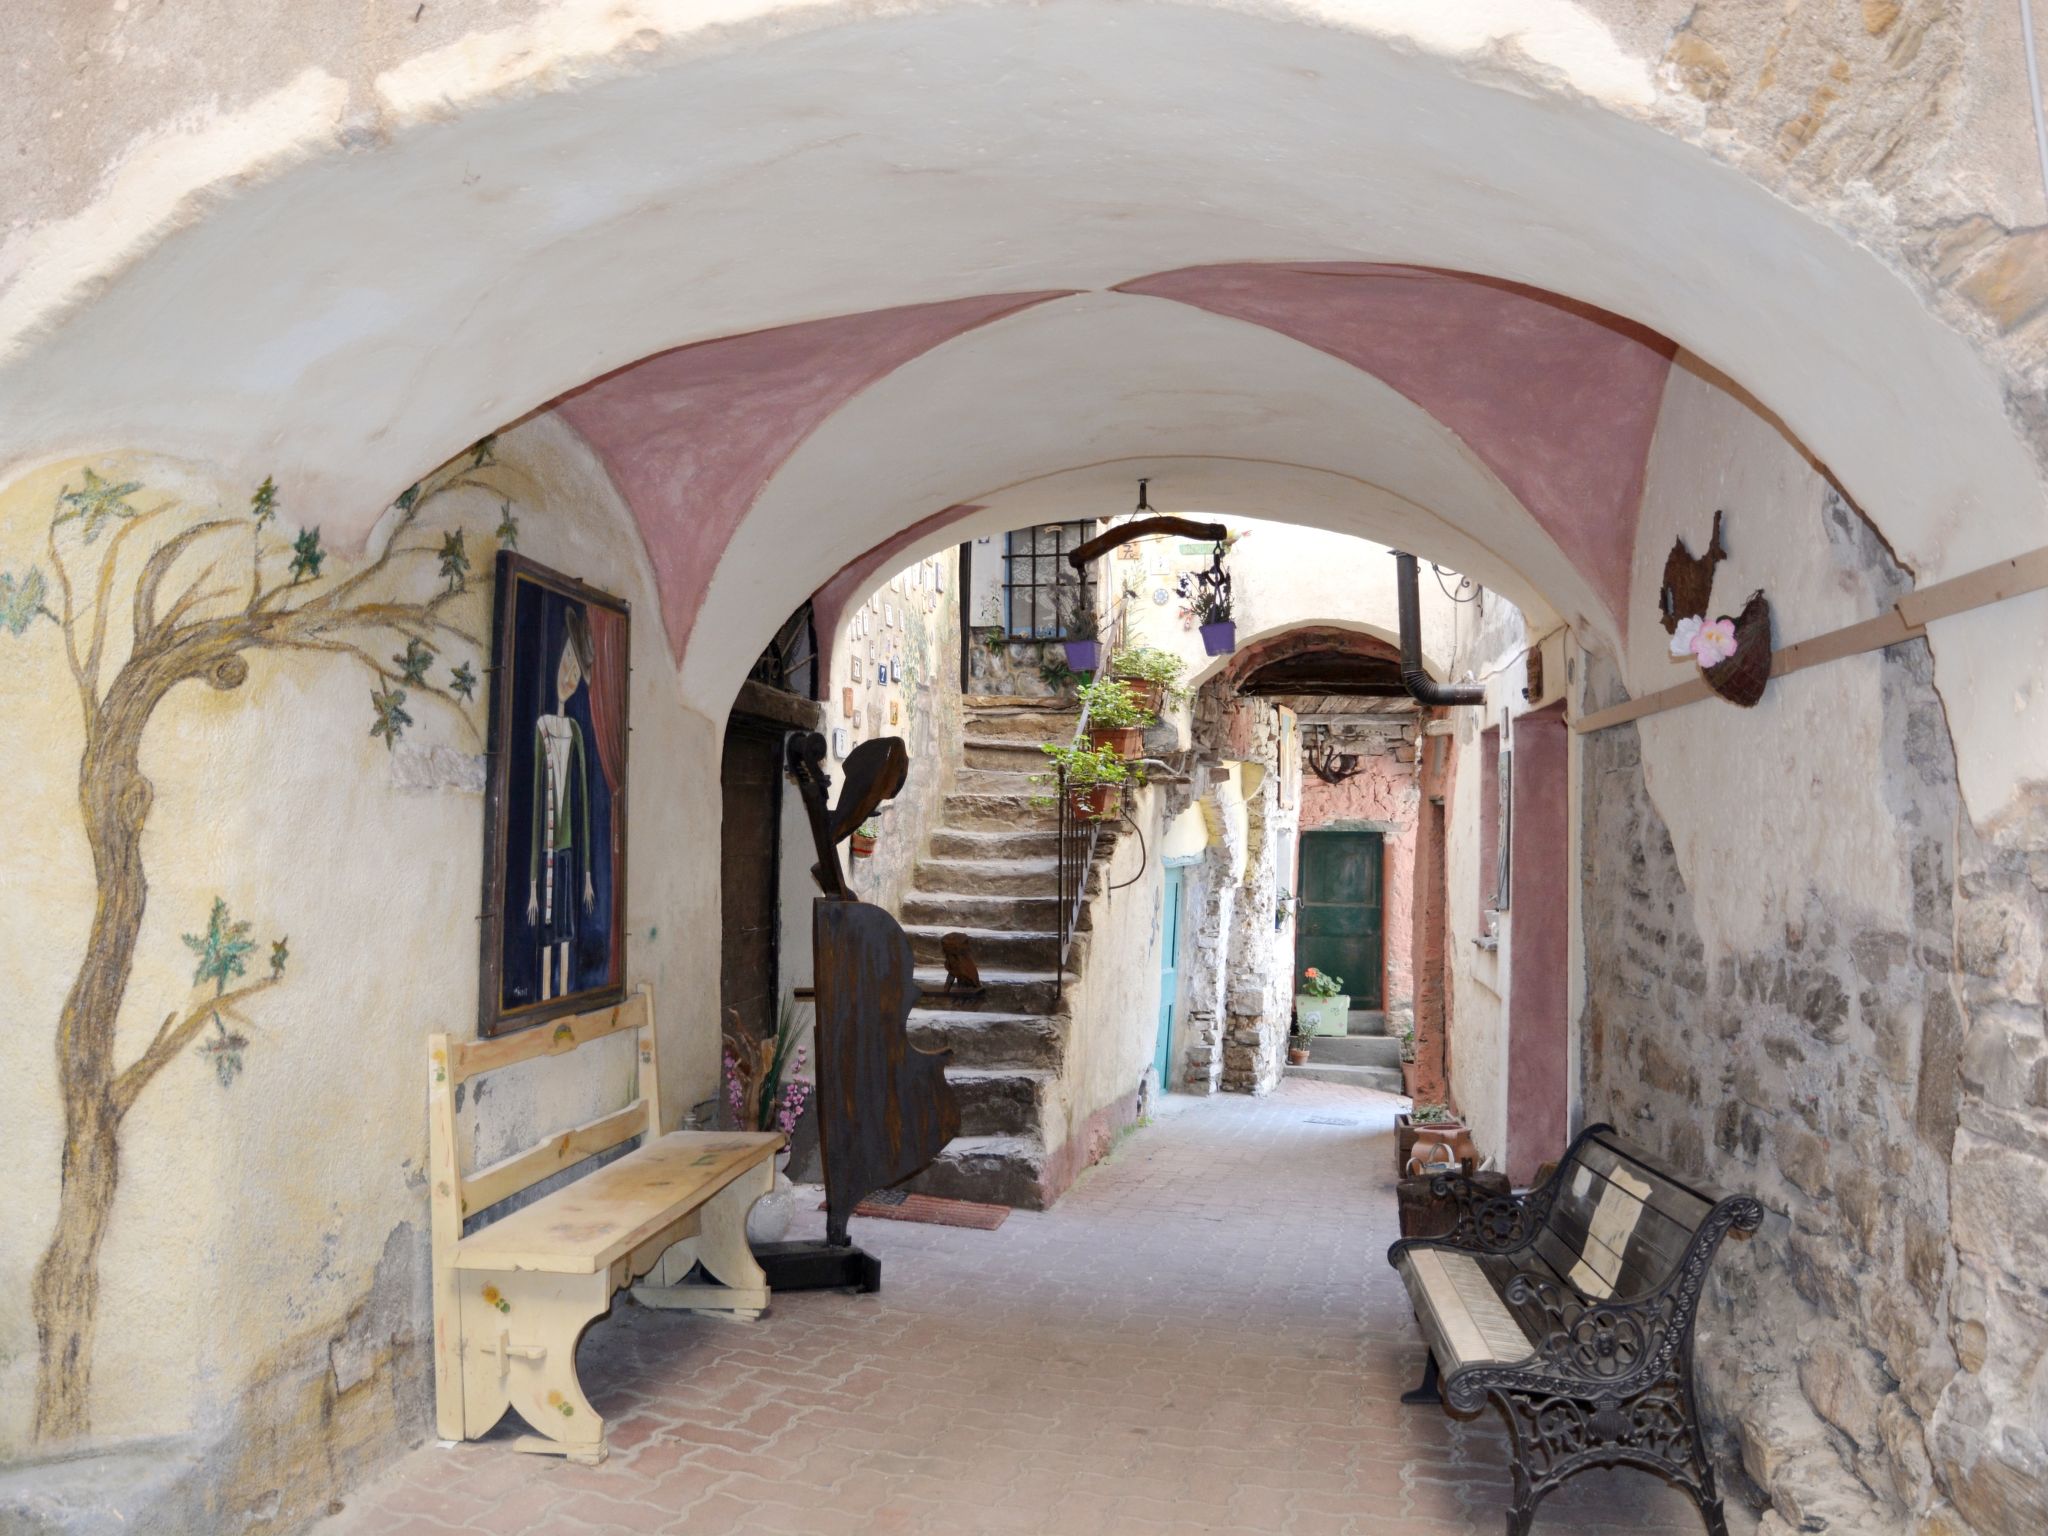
[
  {"x": 1489, "y": 824},
  {"x": 1039, "y": 587}
]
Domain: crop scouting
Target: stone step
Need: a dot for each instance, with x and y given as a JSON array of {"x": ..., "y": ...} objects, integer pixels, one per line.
[
  {"x": 989, "y": 1039},
  {"x": 1381, "y": 1079},
  {"x": 1005, "y": 754},
  {"x": 1005, "y": 1101},
  {"x": 996, "y": 812},
  {"x": 1008, "y": 914},
  {"x": 1356, "y": 1051},
  {"x": 995, "y": 948},
  {"x": 1038, "y": 875},
  {"x": 1366, "y": 1021},
  {"x": 1006, "y": 843},
  {"x": 1025, "y": 725},
  {"x": 1001, "y": 781},
  {"x": 1016, "y": 990},
  {"x": 1000, "y": 1170}
]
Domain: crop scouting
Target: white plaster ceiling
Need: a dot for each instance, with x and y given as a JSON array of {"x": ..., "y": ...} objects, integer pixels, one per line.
[{"x": 1226, "y": 417}]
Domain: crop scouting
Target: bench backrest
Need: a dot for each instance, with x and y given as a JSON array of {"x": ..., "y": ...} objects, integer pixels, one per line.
[
  {"x": 1620, "y": 1221},
  {"x": 455, "y": 1195}
]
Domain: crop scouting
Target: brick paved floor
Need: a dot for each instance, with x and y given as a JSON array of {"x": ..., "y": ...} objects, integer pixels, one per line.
[{"x": 1202, "y": 1336}]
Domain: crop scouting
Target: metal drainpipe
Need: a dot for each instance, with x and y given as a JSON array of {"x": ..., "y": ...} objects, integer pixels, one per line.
[{"x": 1421, "y": 687}]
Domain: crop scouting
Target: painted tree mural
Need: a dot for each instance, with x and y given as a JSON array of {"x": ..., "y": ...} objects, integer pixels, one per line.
[{"x": 240, "y": 586}]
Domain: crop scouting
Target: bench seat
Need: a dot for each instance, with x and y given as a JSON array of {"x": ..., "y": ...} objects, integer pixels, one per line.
[
  {"x": 1571, "y": 1309},
  {"x": 511, "y": 1297}
]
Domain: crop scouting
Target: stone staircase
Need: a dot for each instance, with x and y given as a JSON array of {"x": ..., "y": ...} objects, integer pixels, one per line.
[
  {"x": 993, "y": 875},
  {"x": 1365, "y": 1056}
]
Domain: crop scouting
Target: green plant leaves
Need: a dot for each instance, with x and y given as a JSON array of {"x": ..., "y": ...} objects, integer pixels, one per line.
[
  {"x": 21, "y": 600},
  {"x": 462, "y": 681},
  {"x": 392, "y": 719},
  {"x": 508, "y": 527},
  {"x": 96, "y": 502},
  {"x": 222, "y": 950},
  {"x": 307, "y": 555},
  {"x": 454, "y": 560},
  {"x": 263, "y": 505},
  {"x": 413, "y": 661}
]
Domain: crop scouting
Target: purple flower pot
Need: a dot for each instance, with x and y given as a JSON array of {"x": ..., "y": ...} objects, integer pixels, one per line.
[
  {"x": 1083, "y": 655},
  {"x": 1220, "y": 639}
]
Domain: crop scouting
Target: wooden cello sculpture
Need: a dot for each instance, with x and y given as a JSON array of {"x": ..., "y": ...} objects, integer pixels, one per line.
[{"x": 884, "y": 1107}]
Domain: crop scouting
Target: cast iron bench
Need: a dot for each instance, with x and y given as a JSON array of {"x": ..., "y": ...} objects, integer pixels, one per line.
[
  {"x": 1572, "y": 1308},
  {"x": 512, "y": 1298}
]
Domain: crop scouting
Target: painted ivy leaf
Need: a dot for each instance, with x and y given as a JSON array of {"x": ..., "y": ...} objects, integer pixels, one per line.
[
  {"x": 391, "y": 718},
  {"x": 222, "y": 950},
  {"x": 20, "y": 601},
  {"x": 462, "y": 682},
  {"x": 280, "y": 952},
  {"x": 508, "y": 527},
  {"x": 454, "y": 560},
  {"x": 413, "y": 662},
  {"x": 263, "y": 505},
  {"x": 408, "y": 497},
  {"x": 224, "y": 1050},
  {"x": 97, "y": 501},
  {"x": 307, "y": 555},
  {"x": 483, "y": 451}
]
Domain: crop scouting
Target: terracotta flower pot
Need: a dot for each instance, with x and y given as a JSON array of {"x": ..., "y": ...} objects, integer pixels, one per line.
[
  {"x": 863, "y": 845},
  {"x": 1127, "y": 741},
  {"x": 1407, "y": 1133},
  {"x": 1150, "y": 695},
  {"x": 1297, "y": 1055},
  {"x": 1097, "y": 802}
]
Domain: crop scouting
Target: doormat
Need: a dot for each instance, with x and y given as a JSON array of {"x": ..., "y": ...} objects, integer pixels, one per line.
[{"x": 897, "y": 1205}]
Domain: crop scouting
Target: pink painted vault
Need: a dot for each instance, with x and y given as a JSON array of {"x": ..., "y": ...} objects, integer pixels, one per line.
[{"x": 1557, "y": 398}]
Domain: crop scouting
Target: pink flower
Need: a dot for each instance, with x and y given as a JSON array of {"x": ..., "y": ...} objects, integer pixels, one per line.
[
  {"x": 1715, "y": 642},
  {"x": 1685, "y": 636}
]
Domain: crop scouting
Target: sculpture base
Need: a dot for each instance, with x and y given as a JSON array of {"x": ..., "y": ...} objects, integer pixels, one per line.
[{"x": 818, "y": 1266}]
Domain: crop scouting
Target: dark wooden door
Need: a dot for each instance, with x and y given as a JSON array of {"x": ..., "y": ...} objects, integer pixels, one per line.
[
  {"x": 751, "y": 777},
  {"x": 1340, "y": 924}
]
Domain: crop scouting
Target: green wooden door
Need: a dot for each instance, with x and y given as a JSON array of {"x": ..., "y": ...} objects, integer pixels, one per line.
[
  {"x": 1169, "y": 975},
  {"x": 1340, "y": 927}
]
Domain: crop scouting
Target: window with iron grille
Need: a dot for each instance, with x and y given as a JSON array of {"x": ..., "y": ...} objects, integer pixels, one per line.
[{"x": 1040, "y": 589}]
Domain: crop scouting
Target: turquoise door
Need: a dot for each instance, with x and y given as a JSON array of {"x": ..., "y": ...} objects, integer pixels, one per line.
[{"x": 1169, "y": 976}]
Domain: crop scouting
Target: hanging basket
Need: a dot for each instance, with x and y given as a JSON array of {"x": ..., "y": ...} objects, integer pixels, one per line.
[
  {"x": 1097, "y": 802},
  {"x": 1083, "y": 655},
  {"x": 1220, "y": 639},
  {"x": 1741, "y": 678}
]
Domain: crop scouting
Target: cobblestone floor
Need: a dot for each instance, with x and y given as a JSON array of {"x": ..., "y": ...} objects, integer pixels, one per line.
[{"x": 1202, "y": 1336}]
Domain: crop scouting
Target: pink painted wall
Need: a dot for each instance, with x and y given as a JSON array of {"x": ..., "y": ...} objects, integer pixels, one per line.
[
  {"x": 1559, "y": 399},
  {"x": 1539, "y": 1050},
  {"x": 691, "y": 436},
  {"x": 1383, "y": 791}
]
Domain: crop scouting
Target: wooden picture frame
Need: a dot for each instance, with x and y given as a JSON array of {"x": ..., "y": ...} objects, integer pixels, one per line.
[{"x": 554, "y": 901}]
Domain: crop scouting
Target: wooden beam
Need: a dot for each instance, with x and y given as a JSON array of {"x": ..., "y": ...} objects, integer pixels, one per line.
[
  {"x": 1081, "y": 556},
  {"x": 1906, "y": 621}
]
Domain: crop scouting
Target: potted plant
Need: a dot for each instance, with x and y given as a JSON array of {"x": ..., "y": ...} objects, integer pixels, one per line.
[
  {"x": 1322, "y": 1003},
  {"x": 1078, "y": 628},
  {"x": 766, "y": 1091},
  {"x": 1432, "y": 1121},
  {"x": 1115, "y": 717},
  {"x": 1095, "y": 779},
  {"x": 1298, "y": 1041},
  {"x": 864, "y": 837},
  {"x": 1152, "y": 674},
  {"x": 1208, "y": 595}
]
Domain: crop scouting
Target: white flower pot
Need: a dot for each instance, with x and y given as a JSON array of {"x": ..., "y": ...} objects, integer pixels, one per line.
[
  {"x": 1323, "y": 1015},
  {"x": 768, "y": 1221}
]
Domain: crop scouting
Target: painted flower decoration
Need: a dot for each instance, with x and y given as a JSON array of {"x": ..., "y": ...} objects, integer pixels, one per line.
[
  {"x": 1685, "y": 635},
  {"x": 1715, "y": 642}
]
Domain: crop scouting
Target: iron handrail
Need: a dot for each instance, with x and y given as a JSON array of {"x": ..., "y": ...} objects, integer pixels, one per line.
[{"x": 1078, "y": 835}]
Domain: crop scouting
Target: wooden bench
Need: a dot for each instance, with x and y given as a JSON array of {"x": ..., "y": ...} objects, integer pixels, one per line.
[
  {"x": 512, "y": 1298},
  {"x": 1572, "y": 1309}
]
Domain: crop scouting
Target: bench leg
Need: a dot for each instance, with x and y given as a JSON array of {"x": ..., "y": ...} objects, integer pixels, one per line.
[
  {"x": 721, "y": 1247},
  {"x": 1428, "y": 1391},
  {"x": 519, "y": 1333}
]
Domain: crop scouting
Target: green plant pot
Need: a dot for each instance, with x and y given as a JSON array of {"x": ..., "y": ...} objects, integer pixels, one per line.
[{"x": 1324, "y": 1015}]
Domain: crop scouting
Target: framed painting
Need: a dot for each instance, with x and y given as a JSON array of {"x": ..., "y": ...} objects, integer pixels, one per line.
[{"x": 554, "y": 924}]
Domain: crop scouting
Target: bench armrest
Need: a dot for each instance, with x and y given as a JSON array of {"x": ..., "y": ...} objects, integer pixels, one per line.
[{"x": 1486, "y": 1222}]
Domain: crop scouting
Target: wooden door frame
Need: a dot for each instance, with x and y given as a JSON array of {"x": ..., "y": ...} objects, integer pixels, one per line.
[
  {"x": 763, "y": 728},
  {"x": 1386, "y": 833}
]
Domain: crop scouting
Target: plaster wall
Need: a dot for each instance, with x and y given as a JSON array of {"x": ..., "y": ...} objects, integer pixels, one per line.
[{"x": 263, "y": 1283}]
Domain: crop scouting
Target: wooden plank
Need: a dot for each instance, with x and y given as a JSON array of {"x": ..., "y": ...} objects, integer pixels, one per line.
[
  {"x": 582, "y": 1228},
  {"x": 444, "y": 1212},
  {"x": 650, "y": 1065},
  {"x": 472, "y": 1058},
  {"x": 1976, "y": 589},
  {"x": 522, "y": 1170}
]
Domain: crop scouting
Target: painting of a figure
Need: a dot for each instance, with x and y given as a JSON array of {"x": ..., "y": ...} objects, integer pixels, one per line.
[{"x": 555, "y": 824}]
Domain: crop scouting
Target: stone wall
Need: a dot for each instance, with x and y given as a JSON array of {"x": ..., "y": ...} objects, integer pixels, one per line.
[{"x": 1871, "y": 1357}]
